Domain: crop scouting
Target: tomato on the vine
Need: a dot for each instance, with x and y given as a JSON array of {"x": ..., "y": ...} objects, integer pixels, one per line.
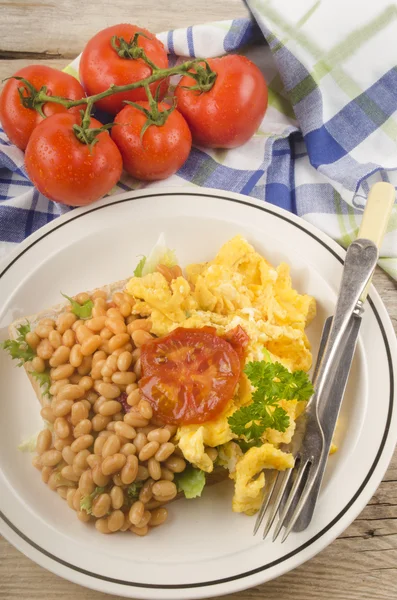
[
  {"x": 67, "y": 170},
  {"x": 189, "y": 375},
  {"x": 102, "y": 66},
  {"x": 158, "y": 151},
  {"x": 229, "y": 113},
  {"x": 19, "y": 121}
]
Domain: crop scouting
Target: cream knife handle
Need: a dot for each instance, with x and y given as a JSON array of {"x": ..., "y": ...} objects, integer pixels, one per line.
[{"x": 376, "y": 217}]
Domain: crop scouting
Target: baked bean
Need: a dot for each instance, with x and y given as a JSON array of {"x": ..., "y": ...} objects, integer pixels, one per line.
[
  {"x": 164, "y": 489},
  {"x": 127, "y": 524},
  {"x": 80, "y": 460},
  {"x": 60, "y": 444},
  {"x": 123, "y": 377},
  {"x": 109, "y": 390},
  {"x": 136, "y": 512},
  {"x": 62, "y": 372},
  {"x": 101, "y": 525},
  {"x": 126, "y": 348},
  {"x": 145, "y": 409},
  {"x": 165, "y": 451},
  {"x": 98, "y": 477},
  {"x": 128, "y": 449},
  {"x": 61, "y": 427},
  {"x": 139, "y": 325},
  {"x": 98, "y": 355},
  {"x": 82, "y": 297},
  {"x": 69, "y": 497},
  {"x": 77, "y": 471},
  {"x": 117, "y": 498},
  {"x": 152, "y": 504},
  {"x": 82, "y": 428},
  {"x": 146, "y": 494},
  {"x": 82, "y": 442},
  {"x": 44, "y": 350},
  {"x": 135, "y": 355},
  {"x": 134, "y": 397},
  {"x": 60, "y": 356},
  {"x": 32, "y": 339},
  {"x": 117, "y": 341},
  {"x": 54, "y": 389},
  {"x": 98, "y": 403},
  {"x": 145, "y": 519},
  {"x": 99, "y": 422},
  {"x": 116, "y": 520},
  {"x": 137, "y": 368},
  {"x": 62, "y": 407},
  {"x": 75, "y": 378},
  {"x": 44, "y": 441},
  {"x": 111, "y": 446},
  {"x": 62, "y": 491},
  {"x": 141, "y": 531},
  {"x": 110, "y": 366},
  {"x": 96, "y": 324},
  {"x": 38, "y": 364},
  {"x": 159, "y": 435},
  {"x": 46, "y": 474},
  {"x": 109, "y": 408},
  {"x": 125, "y": 430},
  {"x": 99, "y": 444},
  {"x": 175, "y": 464},
  {"x": 86, "y": 365},
  {"x": 125, "y": 309},
  {"x": 79, "y": 412},
  {"x": 212, "y": 453},
  {"x": 141, "y": 337},
  {"x": 158, "y": 516},
  {"x": 147, "y": 429},
  {"x": 99, "y": 294},
  {"x": 83, "y": 333},
  {"x": 76, "y": 357},
  {"x": 83, "y": 516},
  {"x": 130, "y": 469},
  {"x": 50, "y": 458},
  {"x": 118, "y": 298},
  {"x": 55, "y": 338},
  {"x": 119, "y": 351},
  {"x": 116, "y": 326},
  {"x": 177, "y": 271},
  {"x": 167, "y": 474},
  {"x": 65, "y": 321},
  {"x": 91, "y": 345},
  {"x": 140, "y": 441},
  {"x": 43, "y": 331},
  {"x": 96, "y": 372},
  {"x": 69, "y": 338},
  {"x": 76, "y": 499},
  {"x": 113, "y": 464},
  {"x": 153, "y": 467},
  {"x": 70, "y": 392},
  {"x": 135, "y": 419},
  {"x": 54, "y": 481},
  {"x": 142, "y": 474},
  {"x": 171, "y": 428},
  {"x": 93, "y": 460},
  {"x": 68, "y": 455},
  {"x": 113, "y": 312},
  {"x": 68, "y": 473},
  {"x": 86, "y": 382},
  {"x": 86, "y": 483},
  {"x": 117, "y": 480},
  {"x": 106, "y": 334},
  {"x": 148, "y": 450}
]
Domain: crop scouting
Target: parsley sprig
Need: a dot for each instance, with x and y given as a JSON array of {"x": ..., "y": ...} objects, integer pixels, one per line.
[
  {"x": 273, "y": 382},
  {"x": 82, "y": 311},
  {"x": 44, "y": 381},
  {"x": 19, "y": 349}
]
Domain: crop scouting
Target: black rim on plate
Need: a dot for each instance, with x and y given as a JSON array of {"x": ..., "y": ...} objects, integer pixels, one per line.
[{"x": 320, "y": 533}]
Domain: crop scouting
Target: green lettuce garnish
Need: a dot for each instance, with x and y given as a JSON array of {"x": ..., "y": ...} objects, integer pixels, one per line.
[
  {"x": 159, "y": 255},
  {"x": 82, "y": 311},
  {"x": 19, "y": 349},
  {"x": 191, "y": 482}
]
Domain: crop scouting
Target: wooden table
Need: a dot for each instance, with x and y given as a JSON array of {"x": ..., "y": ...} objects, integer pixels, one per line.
[{"x": 362, "y": 563}]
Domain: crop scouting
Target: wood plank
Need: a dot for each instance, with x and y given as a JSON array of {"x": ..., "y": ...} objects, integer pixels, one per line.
[{"x": 62, "y": 28}]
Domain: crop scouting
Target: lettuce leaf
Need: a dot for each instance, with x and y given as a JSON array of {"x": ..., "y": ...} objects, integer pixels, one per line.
[
  {"x": 191, "y": 482},
  {"x": 159, "y": 255}
]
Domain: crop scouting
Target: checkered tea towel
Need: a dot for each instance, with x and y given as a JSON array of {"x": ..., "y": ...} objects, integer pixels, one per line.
[{"x": 329, "y": 133}]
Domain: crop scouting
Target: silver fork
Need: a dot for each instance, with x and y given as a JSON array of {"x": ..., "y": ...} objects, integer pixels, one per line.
[{"x": 308, "y": 440}]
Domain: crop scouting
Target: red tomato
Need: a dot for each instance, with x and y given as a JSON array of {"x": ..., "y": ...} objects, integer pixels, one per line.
[
  {"x": 189, "y": 375},
  {"x": 162, "y": 149},
  {"x": 66, "y": 170},
  {"x": 238, "y": 339},
  {"x": 231, "y": 112},
  {"x": 101, "y": 66},
  {"x": 18, "y": 122}
]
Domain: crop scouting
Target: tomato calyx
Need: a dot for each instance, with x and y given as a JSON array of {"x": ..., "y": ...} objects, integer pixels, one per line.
[
  {"x": 29, "y": 95},
  {"x": 84, "y": 133},
  {"x": 131, "y": 50},
  {"x": 204, "y": 76},
  {"x": 154, "y": 116}
]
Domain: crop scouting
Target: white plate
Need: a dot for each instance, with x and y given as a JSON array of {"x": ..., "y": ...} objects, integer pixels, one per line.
[{"x": 205, "y": 549}]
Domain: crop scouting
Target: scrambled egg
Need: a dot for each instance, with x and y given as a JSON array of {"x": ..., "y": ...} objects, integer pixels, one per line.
[{"x": 238, "y": 287}]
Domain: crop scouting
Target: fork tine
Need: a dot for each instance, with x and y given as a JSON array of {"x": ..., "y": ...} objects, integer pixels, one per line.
[
  {"x": 301, "y": 471},
  {"x": 284, "y": 478},
  {"x": 265, "y": 504},
  {"x": 302, "y": 501}
]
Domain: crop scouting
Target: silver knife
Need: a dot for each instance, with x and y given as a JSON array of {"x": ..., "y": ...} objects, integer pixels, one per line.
[{"x": 373, "y": 226}]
